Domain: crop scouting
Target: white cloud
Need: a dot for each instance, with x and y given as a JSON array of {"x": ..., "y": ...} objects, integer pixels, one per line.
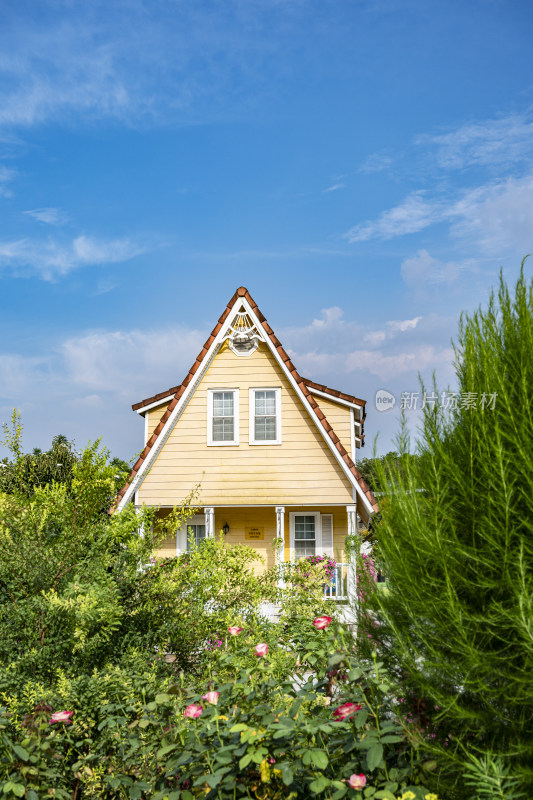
[
  {"x": 131, "y": 363},
  {"x": 6, "y": 175},
  {"x": 387, "y": 366},
  {"x": 98, "y": 59},
  {"x": 377, "y": 162},
  {"x": 411, "y": 216},
  {"x": 497, "y": 216},
  {"x": 375, "y": 338},
  {"x": 403, "y": 324},
  {"x": 335, "y": 187},
  {"x": 493, "y": 217},
  {"x": 50, "y": 216},
  {"x": 505, "y": 142},
  {"x": 85, "y": 386},
  {"x": 21, "y": 374},
  {"x": 334, "y": 350},
  {"x": 423, "y": 269},
  {"x": 51, "y": 260}
]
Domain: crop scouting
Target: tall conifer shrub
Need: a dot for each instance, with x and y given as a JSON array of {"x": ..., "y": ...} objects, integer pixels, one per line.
[{"x": 457, "y": 539}]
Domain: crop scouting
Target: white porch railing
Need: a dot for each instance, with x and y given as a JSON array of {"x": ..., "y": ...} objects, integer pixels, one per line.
[{"x": 340, "y": 586}]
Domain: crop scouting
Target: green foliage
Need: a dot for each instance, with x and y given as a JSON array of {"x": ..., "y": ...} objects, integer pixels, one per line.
[
  {"x": 459, "y": 554},
  {"x": 27, "y": 471},
  {"x": 268, "y": 734},
  {"x": 302, "y": 591},
  {"x": 184, "y": 605},
  {"x": 491, "y": 780},
  {"x": 392, "y": 465},
  {"x": 90, "y": 625},
  {"x": 65, "y": 565}
]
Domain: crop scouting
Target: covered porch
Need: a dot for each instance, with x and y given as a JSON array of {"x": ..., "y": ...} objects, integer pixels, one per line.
[{"x": 278, "y": 534}]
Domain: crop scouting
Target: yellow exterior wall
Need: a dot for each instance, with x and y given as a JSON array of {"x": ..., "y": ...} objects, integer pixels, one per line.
[
  {"x": 240, "y": 518},
  {"x": 154, "y": 415},
  {"x": 338, "y": 417},
  {"x": 301, "y": 470}
]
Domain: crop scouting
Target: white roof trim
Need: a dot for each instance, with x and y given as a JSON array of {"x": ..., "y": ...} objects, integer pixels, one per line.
[
  {"x": 176, "y": 413},
  {"x": 149, "y": 407},
  {"x": 334, "y": 399}
]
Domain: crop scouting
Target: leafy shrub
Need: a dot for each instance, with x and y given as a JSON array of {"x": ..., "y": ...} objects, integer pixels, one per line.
[
  {"x": 456, "y": 537},
  {"x": 301, "y": 732}
]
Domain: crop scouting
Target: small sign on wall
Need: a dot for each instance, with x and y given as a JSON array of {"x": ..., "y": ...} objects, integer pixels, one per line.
[{"x": 254, "y": 534}]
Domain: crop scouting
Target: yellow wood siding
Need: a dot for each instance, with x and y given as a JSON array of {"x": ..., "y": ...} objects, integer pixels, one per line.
[
  {"x": 299, "y": 470},
  {"x": 240, "y": 518},
  {"x": 338, "y": 417},
  {"x": 154, "y": 415}
]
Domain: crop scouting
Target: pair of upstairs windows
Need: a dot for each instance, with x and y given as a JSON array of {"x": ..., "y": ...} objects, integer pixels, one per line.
[{"x": 223, "y": 416}]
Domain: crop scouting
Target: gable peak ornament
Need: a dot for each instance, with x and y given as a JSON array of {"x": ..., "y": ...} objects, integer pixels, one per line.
[{"x": 242, "y": 335}]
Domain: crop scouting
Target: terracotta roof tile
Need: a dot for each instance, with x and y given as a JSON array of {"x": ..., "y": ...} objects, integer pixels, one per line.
[
  {"x": 302, "y": 383},
  {"x": 334, "y": 393}
]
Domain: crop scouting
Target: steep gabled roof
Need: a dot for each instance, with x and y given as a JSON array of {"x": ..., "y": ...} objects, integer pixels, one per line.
[{"x": 179, "y": 393}]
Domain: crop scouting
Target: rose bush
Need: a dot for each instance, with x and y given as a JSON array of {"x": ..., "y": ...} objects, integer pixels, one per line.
[{"x": 256, "y": 731}]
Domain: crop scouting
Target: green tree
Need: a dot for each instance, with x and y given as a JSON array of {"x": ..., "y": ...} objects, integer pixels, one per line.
[
  {"x": 27, "y": 471},
  {"x": 457, "y": 619},
  {"x": 392, "y": 464},
  {"x": 65, "y": 564}
]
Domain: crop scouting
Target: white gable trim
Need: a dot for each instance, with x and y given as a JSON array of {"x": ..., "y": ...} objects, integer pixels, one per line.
[
  {"x": 149, "y": 407},
  {"x": 176, "y": 413},
  {"x": 171, "y": 421},
  {"x": 338, "y": 400}
]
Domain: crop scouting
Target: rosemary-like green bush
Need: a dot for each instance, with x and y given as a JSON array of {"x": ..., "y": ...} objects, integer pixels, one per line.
[{"x": 456, "y": 537}]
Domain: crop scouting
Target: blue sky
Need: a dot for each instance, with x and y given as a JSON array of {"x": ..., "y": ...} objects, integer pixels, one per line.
[{"x": 364, "y": 168}]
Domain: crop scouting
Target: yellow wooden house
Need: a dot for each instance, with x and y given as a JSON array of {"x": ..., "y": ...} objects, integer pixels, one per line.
[{"x": 274, "y": 454}]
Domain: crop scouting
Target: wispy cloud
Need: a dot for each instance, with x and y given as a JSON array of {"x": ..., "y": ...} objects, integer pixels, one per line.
[
  {"x": 19, "y": 373},
  {"x": 502, "y": 142},
  {"x": 6, "y": 176},
  {"x": 422, "y": 269},
  {"x": 50, "y": 216},
  {"x": 411, "y": 216},
  {"x": 493, "y": 216},
  {"x": 129, "y": 363},
  {"x": 496, "y": 217},
  {"x": 51, "y": 260},
  {"x": 403, "y": 324},
  {"x": 376, "y": 162},
  {"x": 99, "y": 60},
  {"x": 335, "y": 187}
]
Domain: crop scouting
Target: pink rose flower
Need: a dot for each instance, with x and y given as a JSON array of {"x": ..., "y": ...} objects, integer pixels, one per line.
[
  {"x": 234, "y": 630},
  {"x": 261, "y": 649},
  {"x": 346, "y": 710},
  {"x": 193, "y": 711},
  {"x": 357, "y": 781},
  {"x": 211, "y": 697},
  {"x": 322, "y": 622},
  {"x": 61, "y": 716}
]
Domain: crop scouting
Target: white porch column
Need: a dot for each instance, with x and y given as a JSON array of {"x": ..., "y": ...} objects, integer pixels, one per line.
[
  {"x": 280, "y": 534},
  {"x": 351, "y": 511},
  {"x": 140, "y": 529},
  {"x": 209, "y": 514}
]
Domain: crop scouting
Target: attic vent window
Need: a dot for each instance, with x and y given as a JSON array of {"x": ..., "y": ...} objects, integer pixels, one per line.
[{"x": 243, "y": 337}]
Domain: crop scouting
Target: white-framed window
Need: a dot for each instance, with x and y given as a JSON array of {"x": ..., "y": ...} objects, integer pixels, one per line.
[
  {"x": 311, "y": 534},
  {"x": 194, "y": 529},
  {"x": 222, "y": 416},
  {"x": 265, "y": 416},
  {"x": 305, "y": 534}
]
